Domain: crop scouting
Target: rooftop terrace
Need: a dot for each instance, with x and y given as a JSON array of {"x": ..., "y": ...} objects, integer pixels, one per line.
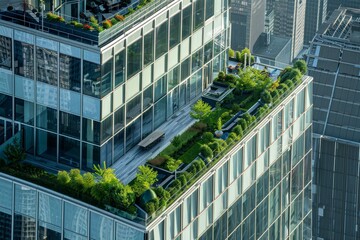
[
  {"x": 95, "y": 26},
  {"x": 188, "y": 156}
]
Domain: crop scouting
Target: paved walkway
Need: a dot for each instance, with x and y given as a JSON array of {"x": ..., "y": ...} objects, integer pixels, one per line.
[{"x": 126, "y": 166}]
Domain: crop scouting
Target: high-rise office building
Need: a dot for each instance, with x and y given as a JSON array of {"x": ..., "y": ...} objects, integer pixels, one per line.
[
  {"x": 316, "y": 12},
  {"x": 335, "y": 4},
  {"x": 258, "y": 189},
  {"x": 83, "y": 91},
  {"x": 247, "y": 22},
  {"x": 333, "y": 61},
  {"x": 290, "y": 22}
]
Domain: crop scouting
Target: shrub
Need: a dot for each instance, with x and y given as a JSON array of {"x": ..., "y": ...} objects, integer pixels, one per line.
[
  {"x": 162, "y": 193},
  {"x": 100, "y": 29},
  {"x": 243, "y": 123},
  {"x": 238, "y": 56},
  {"x": 266, "y": 96},
  {"x": 200, "y": 126},
  {"x": 208, "y": 137},
  {"x": 284, "y": 87},
  {"x": 150, "y": 207},
  {"x": 182, "y": 180},
  {"x": 73, "y": 23},
  {"x": 289, "y": 83},
  {"x": 14, "y": 152},
  {"x": 79, "y": 25},
  {"x": 215, "y": 147},
  {"x": 131, "y": 11},
  {"x": 88, "y": 27},
  {"x": 119, "y": 17},
  {"x": 301, "y": 65},
  {"x": 225, "y": 115},
  {"x": 93, "y": 20},
  {"x": 107, "y": 24},
  {"x": 206, "y": 151},
  {"x": 200, "y": 110},
  {"x": 221, "y": 75},
  {"x": 176, "y": 141},
  {"x": 247, "y": 117},
  {"x": 233, "y": 136},
  {"x": 275, "y": 94},
  {"x": 144, "y": 179},
  {"x": 235, "y": 107},
  {"x": 171, "y": 164},
  {"x": 176, "y": 184},
  {"x": 113, "y": 21},
  {"x": 63, "y": 177},
  {"x": 60, "y": 19},
  {"x": 238, "y": 130},
  {"x": 231, "y": 53}
]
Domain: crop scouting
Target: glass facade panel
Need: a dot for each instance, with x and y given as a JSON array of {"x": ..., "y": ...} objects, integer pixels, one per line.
[
  {"x": 120, "y": 65},
  {"x": 174, "y": 77},
  {"x": 101, "y": 227},
  {"x": 175, "y": 30},
  {"x": 160, "y": 112},
  {"x": 106, "y": 77},
  {"x": 206, "y": 193},
  {"x": 118, "y": 145},
  {"x": 47, "y": 66},
  {"x": 161, "y": 46},
  {"x": 24, "y": 59},
  {"x": 209, "y": 9},
  {"x": 90, "y": 156},
  {"x": 24, "y": 111},
  {"x": 70, "y": 125},
  {"x": 6, "y": 196},
  {"x": 160, "y": 88},
  {"x": 91, "y": 82},
  {"x": 133, "y": 133},
  {"x": 5, "y": 52},
  {"x": 46, "y": 145},
  {"x": 70, "y": 73},
  {"x": 186, "y": 22},
  {"x": 69, "y": 151},
  {"x": 199, "y": 10},
  {"x": 25, "y": 201},
  {"x": 75, "y": 219},
  {"x": 147, "y": 122},
  {"x": 134, "y": 58},
  {"x": 173, "y": 224},
  {"x": 133, "y": 108},
  {"x": 50, "y": 209},
  {"x": 5, "y": 224},
  {"x": 149, "y": 48},
  {"x": 46, "y": 118}
]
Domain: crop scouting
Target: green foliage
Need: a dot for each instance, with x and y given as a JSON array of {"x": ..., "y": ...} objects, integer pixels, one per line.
[
  {"x": 231, "y": 53},
  {"x": 243, "y": 123},
  {"x": 289, "y": 83},
  {"x": 176, "y": 184},
  {"x": 14, "y": 152},
  {"x": 206, "y": 151},
  {"x": 284, "y": 87},
  {"x": 266, "y": 96},
  {"x": 275, "y": 94},
  {"x": 172, "y": 164},
  {"x": 238, "y": 130},
  {"x": 144, "y": 179},
  {"x": 79, "y": 25},
  {"x": 219, "y": 124},
  {"x": 301, "y": 65},
  {"x": 182, "y": 180},
  {"x": 162, "y": 193},
  {"x": 107, "y": 24},
  {"x": 88, "y": 180},
  {"x": 63, "y": 177},
  {"x": 208, "y": 137},
  {"x": 93, "y": 20},
  {"x": 238, "y": 55},
  {"x": 113, "y": 21},
  {"x": 200, "y": 110},
  {"x": 150, "y": 207},
  {"x": 233, "y": 136},
  {"x": 176, "y": 140},
  {"x": 221, "y": 75},
  {"x": 247, "y": 117}
]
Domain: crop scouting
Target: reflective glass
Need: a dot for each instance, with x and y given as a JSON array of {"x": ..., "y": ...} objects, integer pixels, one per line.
[
  {"x": 50, "y": 209},
  {"x": 198, "y": 14},
  {"x": 173, "y": 223},
  {"x": 133, "y": 133},
  {"x": 106, "y": 128},
  {"x": 209, "y": 9},
  {"x": 186, "y": 22},
  {"x": 133, "y": 108},
  {"x": 119, "y": 120},
  {"x": 106, "y": 77},
  {"x": 160, "y": 88},
  {"x": 161, "y": 46},
  {"x": 248, "y": 201},
  {"x": 91, "y": 82},
  {"x": 5, "y": 52},
  {"x": 70, "y": 73},
  {"x": 70, "y": 125},
  {"x": 5, "y": 106},
  {"x": 206, "y": 193},
  {"x": 24, "y": 59},
  {"x": 120, "y": 68},
  {"x": 5, "y": 224},
  {"x": 118, "y": 145},
  {"x": 248, "y": 227},
  {"x": 160, "y": 112},
  {"x": 24, "y": 111},
  {"x": 185, "y": 69},
  {"x": 24, "y": 226},
  {"x": 262, "y": 187},
  {"x": 147, "y": 122},
  {"x": 5, "y": 194},
  {"x": 175, "y": 30},
  {"x": 101, "y": 227},
  {"x": 261, "y": 218},
  {"x": 25, "y": 200},
  {"x": 46, "y": 118},
  {"x": 134, "y": 58},
  {"x": 296, "y": 180},
  {"x": 69, "y": 151},
  {"x": 174, "y": 77},
  {"x": 90, "y": 156},
  {"x": 48, "y": 231},
  {"x": 149, "y": 48},
  {"x": 91, "y": 130},
  {"x": 76, "y": 219},
  {"x": 275, "y": 173},
  {"x": 208, "y": 51},
  {"x": 46, "y": 145},
  {"x": 47, "y": 65},
  {"x": 197, "y": 60},
  {"x": 274, "y": 203},
  {"x": 296, "y": 212}
]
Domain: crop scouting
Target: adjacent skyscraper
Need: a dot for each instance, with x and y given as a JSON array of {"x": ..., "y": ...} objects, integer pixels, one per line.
[
  {"x": 290, "y": 22},
  {"x": 316, "y": 12},
  {"x": 333, "y": 61},
  {"x": 334, "y": 4},
  {"x": 248, "y": 22}
]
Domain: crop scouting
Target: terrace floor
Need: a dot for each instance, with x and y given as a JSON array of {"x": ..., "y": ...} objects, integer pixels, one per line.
[{"x": 126, "y": 166}]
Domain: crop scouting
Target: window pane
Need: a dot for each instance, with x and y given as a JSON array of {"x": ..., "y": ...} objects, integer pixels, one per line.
[
  {"x": 161, "y": 39},
  {"x": 70, "y": 125},
  {"x": 119, "y": 116},
  {"x": 160, "y": 88},
  {"x": 46, "y": 118},
  {"x": 24, "y": 111},
  {"x": 134, "y": 58},
  {"x": 149, "y": 48},
  {"x": 46, "y": 144},
  {"x": 209, "y": 9},
  {"x": 185, "y": 69},
  {"x": 198, "y": 14},
  {"x": 91, "y": 84},
  {"x": 75, "y": 219},
  {"x": 5, "y": 52},
  {"x": 24, "y": 59},
  {"x": 186, "y": 21},
  {"x": 70, "y": 73},
  {"x": 160, "y": 112},
  {"x": 133, "y": 108},
  {"x": 119, "y": 68},
  {"x": 90, "y": 156},
  {"x": 91, "y": 131},
  {"x": 133, "y": 134},
  {"x": 175, "y": 30},
  {"x": 69, "y": 151},
  {"x": 101, "y": 227},
  {"x": 106, "y": 77},
  {"x": 47, "y": 65}
]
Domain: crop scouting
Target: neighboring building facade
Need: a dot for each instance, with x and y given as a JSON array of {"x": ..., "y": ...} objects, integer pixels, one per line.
[
  {"x": 335, "y": 4},
  {"x": 290, "y": 22},
  {"x": 81, "y": 103},
  {"x": 247, "y": 22},
  {"x": 316, "y": 12},
  {"x": 333, "y": 61},
  {"x": 261, "y": 189}
]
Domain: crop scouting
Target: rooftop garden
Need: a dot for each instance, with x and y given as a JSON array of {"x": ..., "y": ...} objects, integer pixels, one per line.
[{"x": 160, "y": 182}]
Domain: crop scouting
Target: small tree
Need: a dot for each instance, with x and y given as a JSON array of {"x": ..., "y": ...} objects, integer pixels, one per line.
[
  {"x": 243, "y": 123},
  {"x": 238, "y": 56},
  {"x": 266, "y": 96},
  {"x": 144, "y": 179},
  {"x": 200, "y": 110},
  {"x": 301, "y": 65},
  {"x": 231, "y": 53},
  {"x": 14, "y": 152},
  {"x": 208, "y": 137},
  {"x": 221, "y": 75},
  {"x": 206, "y": 151},
  {"x": 238, "y": 130},
  {"x": 89, "y": 181},
  {"x": 219, "y": 124}
]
